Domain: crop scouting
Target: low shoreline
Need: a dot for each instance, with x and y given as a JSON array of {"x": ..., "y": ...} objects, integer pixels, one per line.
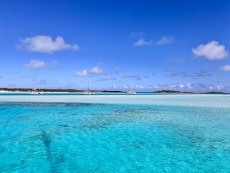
[
  {"x": 197, "y": 100},
  {"x": 104, "y": 92},
  {"x": 24, "y": 92}
]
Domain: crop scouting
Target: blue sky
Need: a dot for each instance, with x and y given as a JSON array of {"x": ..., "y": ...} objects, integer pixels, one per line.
[{"x": 151, "y": 45}]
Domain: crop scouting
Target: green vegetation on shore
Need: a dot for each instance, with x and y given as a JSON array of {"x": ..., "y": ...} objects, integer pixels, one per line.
[
  {"x": 103, "y": 91},
  {"x": 49, "y": 90},
  {"x": 216, "y": 93},
  {"x": 179, "y": 92},
  {"x": 173, "y": 92}
]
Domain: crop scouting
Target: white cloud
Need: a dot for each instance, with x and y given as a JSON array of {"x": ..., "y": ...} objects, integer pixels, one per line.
[
  {"x": 114, "y": 86},
  {"x": 165, "y": 40},
  {"x": 75, "y": 47},
  {"x": 82, "y": 73},
  {"x": 37, "y": 64},
  {"x": 96, "y": 70},
  {"x": 45, "y": 44},
  {"x": 142, "y": 42},
  {"x": 93, "y": 71},
  {"x": 181, "y": 86},
  {"x": 189, "y": 86},
  {"x": 219, "y": 87},
  {"x": 225, "y": 68},
  {"x": 212, "y": 51},
  {"x": 211, "y": 88}
]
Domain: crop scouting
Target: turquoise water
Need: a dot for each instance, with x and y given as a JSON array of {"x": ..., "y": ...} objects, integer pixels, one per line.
[{"x": 98, "y": 137}]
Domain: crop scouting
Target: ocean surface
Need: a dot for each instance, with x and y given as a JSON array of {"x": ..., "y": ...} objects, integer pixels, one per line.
[{"x": 114, "y": 133}]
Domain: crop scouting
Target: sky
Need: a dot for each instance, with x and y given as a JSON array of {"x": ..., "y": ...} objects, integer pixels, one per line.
[{"x": 144, "y": 45}]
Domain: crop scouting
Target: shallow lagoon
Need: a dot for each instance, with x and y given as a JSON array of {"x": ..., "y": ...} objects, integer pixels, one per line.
[{"x": 130, "y": 133}]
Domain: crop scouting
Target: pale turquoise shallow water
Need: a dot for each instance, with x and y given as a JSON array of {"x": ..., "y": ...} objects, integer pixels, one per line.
[{"x": 98, "y": 137}]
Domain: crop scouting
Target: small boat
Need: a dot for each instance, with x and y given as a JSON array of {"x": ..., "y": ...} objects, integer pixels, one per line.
[
  {"x": 35, "y": 90},
  {"x": 88, "y": 92},
  {"x": 131, "y": 91}
]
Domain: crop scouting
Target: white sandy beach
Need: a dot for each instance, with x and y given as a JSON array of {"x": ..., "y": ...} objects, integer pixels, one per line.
[{"x": 183, "y": 100}]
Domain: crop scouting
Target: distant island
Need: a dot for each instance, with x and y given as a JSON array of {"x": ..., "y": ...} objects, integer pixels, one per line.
[
  {"x": 179, "y": 92},
  {"x": 25, "y": 90},
  {"x": 173, "y": 92},
  {"x": 216, "y": 93},
  {"x": 51, "y": 90}
]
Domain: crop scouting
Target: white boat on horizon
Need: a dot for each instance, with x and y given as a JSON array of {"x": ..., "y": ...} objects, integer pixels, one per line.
[
  {"x": 35, "y": 90},
  {"x": 131, "y": 91},
  {"x": 88, "y": 92}
]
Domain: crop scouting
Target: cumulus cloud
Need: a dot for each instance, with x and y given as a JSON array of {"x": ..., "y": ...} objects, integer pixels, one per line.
[
  {"x": 45, "y": 44},
  {"x": 35, "y": 64},
  {"x": 142, "y": 42},
  {"x": 225, "y": 68},
  {"x": 198, "y": 87},
  {"x": 219, "y": 87},
  {"x": 165, "y": 40},
  {"x": 93, "y": 71},
  {"x": 211, "y": 88},
  {"x": 181, "y": 86},
  {"x": 212, "y": 51},
  {"x": 189, "y": 86},
  {"x": 96, "y": 70},
  {"x": 82, "y": 73},
  {"x": 38, "y": 64}
]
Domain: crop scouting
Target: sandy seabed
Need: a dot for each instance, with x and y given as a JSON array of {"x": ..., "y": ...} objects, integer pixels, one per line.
[{"x": 182, "y": 100}]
